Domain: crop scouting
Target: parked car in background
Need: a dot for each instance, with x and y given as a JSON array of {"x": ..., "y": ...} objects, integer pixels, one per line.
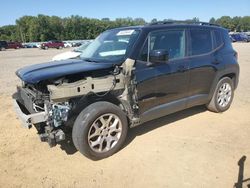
[
  {"x": 38, "y": 44},
  {"x": 14, "y": 45},
  {"x": 240, "y": 37},
  {"x": 76, "y": 44},
  {"x": 248, "y": 35},
  {"x": 75, "y": 53},
  {"x": 67, "y": 44},
  {"x": 3, "y": 45},
  {"x": 52, "y": 44},
  {"x": 29, "y": 45},
  {"x": 232, "y": 39}
]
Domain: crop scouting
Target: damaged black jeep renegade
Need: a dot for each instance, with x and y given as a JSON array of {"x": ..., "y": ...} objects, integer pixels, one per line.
[{"x": 126, "y": 77}]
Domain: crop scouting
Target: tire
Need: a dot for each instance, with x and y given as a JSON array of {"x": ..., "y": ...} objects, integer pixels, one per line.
[
  {"x": 223, "y": 96},
  {"x": 103, "y": 123}
]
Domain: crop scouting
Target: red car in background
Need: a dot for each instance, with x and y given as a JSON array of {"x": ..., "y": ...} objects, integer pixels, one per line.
[
  {"x": 52, "y": 44},
  {"x": 14, "y": 45}
]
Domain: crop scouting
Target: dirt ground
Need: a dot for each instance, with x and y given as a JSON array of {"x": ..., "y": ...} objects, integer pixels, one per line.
[{"x": 191, "y": 148}]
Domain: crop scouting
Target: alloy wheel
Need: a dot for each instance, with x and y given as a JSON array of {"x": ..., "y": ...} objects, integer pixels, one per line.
[
  {"x": 224, "y": 95},
  {"x": 104, "y": 133}
]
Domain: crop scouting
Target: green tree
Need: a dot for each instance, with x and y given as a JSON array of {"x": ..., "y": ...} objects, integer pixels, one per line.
[
  {"x": 226, "y": 22},
  {"x": 245, "y": 23},
  {"x": 153, "y": 20},
  {"x": 9, "y": 33},
  {"x": 212, "y": 20}
]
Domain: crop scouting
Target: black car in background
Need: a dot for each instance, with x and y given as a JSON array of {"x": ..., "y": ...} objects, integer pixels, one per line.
[{"x": 3, "y": 45}]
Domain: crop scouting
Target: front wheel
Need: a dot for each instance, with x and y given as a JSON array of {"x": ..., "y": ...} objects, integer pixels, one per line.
[
  {"x": 100, "y": 130},
  {"x": 223, "y": 96}
]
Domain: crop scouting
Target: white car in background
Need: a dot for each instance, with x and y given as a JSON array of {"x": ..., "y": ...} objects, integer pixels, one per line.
[
  {"x": 67, "y": 44},
  {"x": 38, "y": 45},
  {"x": 75, "y": 53}
]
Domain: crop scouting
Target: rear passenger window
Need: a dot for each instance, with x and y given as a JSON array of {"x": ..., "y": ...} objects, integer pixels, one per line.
[
  {"x": 218, "y": 39},
  {"x": 201, "y": 41}
]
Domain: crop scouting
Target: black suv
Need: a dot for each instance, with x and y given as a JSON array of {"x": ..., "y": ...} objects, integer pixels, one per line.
[
  {"x": 125, "y": 77},
  {"x": 3, "y": 45}
]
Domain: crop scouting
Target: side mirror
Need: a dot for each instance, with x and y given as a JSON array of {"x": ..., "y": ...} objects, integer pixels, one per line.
[{"x": 158, "y": 56}]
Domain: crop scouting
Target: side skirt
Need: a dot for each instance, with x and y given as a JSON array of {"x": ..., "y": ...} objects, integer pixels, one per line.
[{"x": 172, "y": 107}]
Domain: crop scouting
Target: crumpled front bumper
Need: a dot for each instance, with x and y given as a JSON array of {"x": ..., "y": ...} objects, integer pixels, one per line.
[
  {"x": 29, "y": 119},
  {"x": 28, "y": 116}
]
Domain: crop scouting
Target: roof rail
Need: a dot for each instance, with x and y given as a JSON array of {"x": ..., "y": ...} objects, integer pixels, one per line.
[{"x": 183, "y": 22}]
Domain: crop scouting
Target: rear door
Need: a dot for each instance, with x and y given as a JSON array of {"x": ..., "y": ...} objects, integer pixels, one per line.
[{"x": 202, "y": 63}]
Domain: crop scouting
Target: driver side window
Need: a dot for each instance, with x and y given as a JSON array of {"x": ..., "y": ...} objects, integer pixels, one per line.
[{"x": 171, "y": 40}]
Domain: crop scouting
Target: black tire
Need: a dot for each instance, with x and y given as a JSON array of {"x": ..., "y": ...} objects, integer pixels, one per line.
[
  {"x": 84, "y": 123},
  {"x": 214, "y": 105}
]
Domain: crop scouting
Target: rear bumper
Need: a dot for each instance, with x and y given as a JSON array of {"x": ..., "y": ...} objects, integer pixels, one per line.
[{"x": 29, "y": 119}]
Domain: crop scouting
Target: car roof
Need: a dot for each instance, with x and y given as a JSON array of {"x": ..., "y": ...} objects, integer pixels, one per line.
[{"x": 178, "y": 24}]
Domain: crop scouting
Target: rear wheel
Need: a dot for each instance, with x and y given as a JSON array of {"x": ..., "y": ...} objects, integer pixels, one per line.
[
  {"x": 223, "y": 96},
  {"x": 100, "y": 130}
]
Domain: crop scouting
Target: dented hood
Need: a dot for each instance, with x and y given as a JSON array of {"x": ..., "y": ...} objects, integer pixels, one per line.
[{"x": 44, "y": 71}]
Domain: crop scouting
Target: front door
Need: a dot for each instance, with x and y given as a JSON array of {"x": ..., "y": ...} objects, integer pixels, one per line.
[{"x": 162, "y": 84}]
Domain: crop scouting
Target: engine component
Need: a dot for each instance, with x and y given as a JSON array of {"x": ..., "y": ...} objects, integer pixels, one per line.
[
  {"x": 59, "y": 113},
  {"x": 52, "y": 137}
]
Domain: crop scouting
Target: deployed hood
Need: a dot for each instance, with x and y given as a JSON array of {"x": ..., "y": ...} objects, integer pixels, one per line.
[{"x": 39, "y": 72}]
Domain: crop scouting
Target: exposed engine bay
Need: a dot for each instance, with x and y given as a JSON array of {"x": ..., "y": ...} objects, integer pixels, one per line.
[{"x": 51, "y": 105}]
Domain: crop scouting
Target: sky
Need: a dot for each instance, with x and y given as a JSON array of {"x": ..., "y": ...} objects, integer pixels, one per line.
[{"x": 147, "y": 9}]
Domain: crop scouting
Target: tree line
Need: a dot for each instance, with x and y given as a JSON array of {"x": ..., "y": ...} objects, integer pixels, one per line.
[
  {"x": 236, "y": 23},
  {"x": 43, "y": 27}
]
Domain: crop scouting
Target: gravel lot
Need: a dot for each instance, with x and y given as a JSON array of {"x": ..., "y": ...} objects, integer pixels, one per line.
[{"x": 191, "y": 148}]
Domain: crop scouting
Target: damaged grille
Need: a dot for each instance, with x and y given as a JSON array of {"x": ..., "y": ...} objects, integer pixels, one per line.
[{"x": 31, "y": 99}]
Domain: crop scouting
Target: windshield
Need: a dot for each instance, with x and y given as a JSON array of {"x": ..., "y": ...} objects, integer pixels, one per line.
[{"x": 111, "y": 46}]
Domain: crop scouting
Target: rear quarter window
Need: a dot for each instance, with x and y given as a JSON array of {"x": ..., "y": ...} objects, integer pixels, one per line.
[
  {"x": 218, "y": 41},
  {"x": 200, "y": 41},
  {"x": 227, "y": 40}
]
